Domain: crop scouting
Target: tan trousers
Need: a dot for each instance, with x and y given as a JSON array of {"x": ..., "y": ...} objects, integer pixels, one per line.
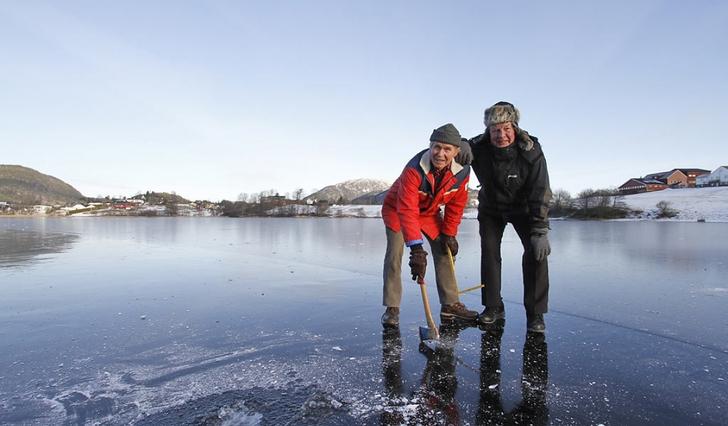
[{"x": 447, "y": 286}]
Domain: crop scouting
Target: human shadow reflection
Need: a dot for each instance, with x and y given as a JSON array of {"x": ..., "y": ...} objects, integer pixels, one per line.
[
  {"x": 436, "y": 403},
  {"x": 534, "y": 382},
  {"x": 392, "y": 372}
]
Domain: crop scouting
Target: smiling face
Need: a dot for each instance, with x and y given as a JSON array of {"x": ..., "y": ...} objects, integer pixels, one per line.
[
  {"x": 502, "y": 134},
  {"x": 441, "y": 154}
]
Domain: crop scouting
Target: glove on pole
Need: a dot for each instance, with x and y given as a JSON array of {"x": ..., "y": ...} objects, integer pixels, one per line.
[{"x": 449, "y": 242}]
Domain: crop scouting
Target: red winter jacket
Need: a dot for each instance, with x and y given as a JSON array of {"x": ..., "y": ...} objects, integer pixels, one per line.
[{"x": 413, "y": 206}]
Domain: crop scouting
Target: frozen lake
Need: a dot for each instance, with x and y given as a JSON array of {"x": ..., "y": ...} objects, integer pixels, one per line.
[{"x": 276, "y": 321}]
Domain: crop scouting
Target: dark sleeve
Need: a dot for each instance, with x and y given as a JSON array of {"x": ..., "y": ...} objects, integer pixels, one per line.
[
  {"x": 470, "y": 144},
  {"x": 539, "y": 195}
]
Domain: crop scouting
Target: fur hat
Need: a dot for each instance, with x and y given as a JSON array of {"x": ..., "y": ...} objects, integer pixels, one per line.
[
  {"x": 501, "y": 112},
  {"x": 446, "y": 134}
]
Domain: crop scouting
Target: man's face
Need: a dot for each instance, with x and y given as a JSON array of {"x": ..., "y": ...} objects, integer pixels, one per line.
[
  {"x": 441, "y": 154},
  {"x": 502, "y": 134}
]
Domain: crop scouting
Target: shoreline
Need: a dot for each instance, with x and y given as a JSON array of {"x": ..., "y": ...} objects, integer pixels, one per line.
[{"x": 559, "y": 219}]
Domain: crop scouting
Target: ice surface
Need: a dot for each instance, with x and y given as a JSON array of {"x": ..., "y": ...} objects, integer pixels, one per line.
[{"x": 636, "y": 328}]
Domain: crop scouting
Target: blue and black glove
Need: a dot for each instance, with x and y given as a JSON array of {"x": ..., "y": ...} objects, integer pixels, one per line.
[{"x": 418, "y": 262}]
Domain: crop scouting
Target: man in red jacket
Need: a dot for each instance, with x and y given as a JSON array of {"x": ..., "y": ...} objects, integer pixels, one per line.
[{"x": 430, "y": 180}]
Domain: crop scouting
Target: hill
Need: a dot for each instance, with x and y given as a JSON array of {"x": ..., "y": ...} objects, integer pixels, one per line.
[
  {"x": 24, "y": 186},
  {"x": 159, "y": 198},
  {"x": 346, "y": 191},
  {"x": 375, "y": 197},
  {"x": 690, "y": 204}
]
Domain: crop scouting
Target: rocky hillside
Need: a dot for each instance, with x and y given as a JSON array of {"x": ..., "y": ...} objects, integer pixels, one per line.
[
  {"x": 344, "y": 192},
  {"x": 24, "y": 186},
  {"x": 376, "y": 197}
]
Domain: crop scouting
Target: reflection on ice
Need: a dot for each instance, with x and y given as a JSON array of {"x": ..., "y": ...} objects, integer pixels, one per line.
[
  {"x": 18, "y": 247},
  {"x": 435, "y": 402},
  {"x": 534, "y": 382}
]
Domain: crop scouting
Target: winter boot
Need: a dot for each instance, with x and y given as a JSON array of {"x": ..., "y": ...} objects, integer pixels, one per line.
[
  {"x": 491, "y": 315},
  {"x": 535, "y": 323},
  {"x": 457, "y": 312},
  {"x": 390, "y": 318}
]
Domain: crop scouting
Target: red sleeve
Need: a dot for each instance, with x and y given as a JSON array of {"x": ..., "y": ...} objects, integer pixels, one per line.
[
  {"x": 454, "y": 210},
  {"x": 408, "y": 206}
]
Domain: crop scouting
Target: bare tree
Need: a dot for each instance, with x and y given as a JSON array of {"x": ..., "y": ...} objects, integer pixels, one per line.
[
  {"x": 585, "y": 198},
  {"x": 561, "y": 200},
  {"x": 298, "y": 194}
]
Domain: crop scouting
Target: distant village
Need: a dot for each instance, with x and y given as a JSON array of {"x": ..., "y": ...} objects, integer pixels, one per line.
[
  {"x": 137, "y": 206},
  {"x": 163, "y": 204},
  {"x": 269, "y": 203},
  {"x": 676, "y": 178}
]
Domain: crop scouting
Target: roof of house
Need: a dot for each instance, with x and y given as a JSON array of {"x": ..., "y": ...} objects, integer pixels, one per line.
[
  {"x": 643, "y": 181},
  {"x": 658, "y": 175},
  {"x": 685, "y": 170},
  {"x": 665, "y": 175}
]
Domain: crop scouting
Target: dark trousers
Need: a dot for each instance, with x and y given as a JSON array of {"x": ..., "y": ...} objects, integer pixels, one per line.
[{"x": 535, "y": 274}]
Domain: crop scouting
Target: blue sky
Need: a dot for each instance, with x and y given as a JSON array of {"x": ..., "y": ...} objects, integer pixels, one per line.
[{"x": 211, "y": 99}]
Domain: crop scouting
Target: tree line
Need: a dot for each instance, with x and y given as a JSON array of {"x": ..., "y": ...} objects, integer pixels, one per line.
[
  {"x": 253, "y": 198},
  {"x": 598, "y": 204}
]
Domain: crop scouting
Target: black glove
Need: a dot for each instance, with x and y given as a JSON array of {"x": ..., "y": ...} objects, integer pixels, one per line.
[
  {"x": 418, "y": 261},
  {"x": 465, "y": 156},
  {"x": 449, "y": 242},
  {"x": 541, "y": 246}
]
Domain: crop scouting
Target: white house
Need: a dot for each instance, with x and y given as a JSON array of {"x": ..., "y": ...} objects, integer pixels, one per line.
[
  {"x": 41, "y": 209},
  {"x": 719, "y": 177}
]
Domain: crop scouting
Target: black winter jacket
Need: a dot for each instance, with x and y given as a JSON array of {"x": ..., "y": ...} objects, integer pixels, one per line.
[{"x": 514, "y": 180}]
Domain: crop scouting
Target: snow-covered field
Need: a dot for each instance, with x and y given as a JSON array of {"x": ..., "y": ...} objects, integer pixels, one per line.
[{"x": 691, "y": 204}]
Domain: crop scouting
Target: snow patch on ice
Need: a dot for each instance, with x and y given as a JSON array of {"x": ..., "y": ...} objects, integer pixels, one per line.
[{"x": 239, "y": 416}]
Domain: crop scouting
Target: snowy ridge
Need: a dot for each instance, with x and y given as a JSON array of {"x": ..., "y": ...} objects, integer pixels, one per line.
[{"x": 349, "y": 190}]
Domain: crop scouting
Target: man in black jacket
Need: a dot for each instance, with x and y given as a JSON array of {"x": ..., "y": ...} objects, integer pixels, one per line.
[{"x": 514, "y": 189}]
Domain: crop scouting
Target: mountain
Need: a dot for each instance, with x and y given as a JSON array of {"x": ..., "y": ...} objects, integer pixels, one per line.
[
  {"x": 376, "y": 197},
  {"x": 24, "y": 186},
  {"x": 349, "y": 190}
]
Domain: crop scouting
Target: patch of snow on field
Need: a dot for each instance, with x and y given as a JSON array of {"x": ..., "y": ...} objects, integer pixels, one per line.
[{"x": 691, "y": 204}]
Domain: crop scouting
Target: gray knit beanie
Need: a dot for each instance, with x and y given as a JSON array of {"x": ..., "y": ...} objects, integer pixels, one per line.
[
  {"x": 446, "y": 134},
  {"x": 501, "y": 112}
]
